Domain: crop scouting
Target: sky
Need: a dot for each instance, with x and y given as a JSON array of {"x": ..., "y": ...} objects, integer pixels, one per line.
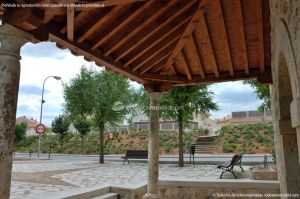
[{"x": 45, "y": 59}]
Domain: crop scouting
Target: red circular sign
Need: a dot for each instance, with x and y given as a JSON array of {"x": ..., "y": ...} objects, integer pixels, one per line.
[
  {"x": 40, "y": 129},
  {"x": 111, "y": 136}
]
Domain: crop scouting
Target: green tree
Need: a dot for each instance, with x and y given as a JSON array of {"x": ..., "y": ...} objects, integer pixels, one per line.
[
  {"x": 20, "y": 133},
  {"x": 180, "y": 104},
  {"x": 262, "y": 92},
  {"x": 83, "y": 126},
  {"x": 102, "y": 97},
  {"x": 60, "y": 125}
]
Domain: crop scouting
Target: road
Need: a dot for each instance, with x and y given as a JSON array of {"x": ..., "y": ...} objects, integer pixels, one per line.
[{"x": 248, "y": 159}]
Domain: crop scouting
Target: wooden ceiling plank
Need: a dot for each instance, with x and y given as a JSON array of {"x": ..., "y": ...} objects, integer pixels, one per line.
[
  {"x": 194, "y": 48},
  {"x": 139, "y": 28},
  {"x": 186, "y": 34},
  {"x": 159, "y": 65},
  {"x": 184, "y": 63},
  {"x": 260, "y": 35},
  {"x": 70, "y": 24},
  {"x": 122, "y": 24},
  {"x": 205, "y": 33},
  {"x": 52, "y": 12},
  {"x": 154, "y": 43},
  {"x": 115, "y": 11},
  {"x": 241, "y": 30},
  {"x": 225, "y": 41},
  {"x": 150, "y": 56},
  {"x": 156, "y": 29},
  {"x": 154, "y": 62}
]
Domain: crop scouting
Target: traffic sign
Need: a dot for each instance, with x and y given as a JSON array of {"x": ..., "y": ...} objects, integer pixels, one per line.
[
  {"x": 111, "y": 136},
  {"x": 40, "y": 129}
]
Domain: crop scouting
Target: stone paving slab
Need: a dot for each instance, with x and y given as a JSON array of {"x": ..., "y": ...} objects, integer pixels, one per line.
[{"x": 91, "y": 174}]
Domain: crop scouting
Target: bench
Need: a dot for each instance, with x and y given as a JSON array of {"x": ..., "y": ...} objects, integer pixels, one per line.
[
  {"x": 135, "y": 154},
  {"x": 229, "y": 166}
]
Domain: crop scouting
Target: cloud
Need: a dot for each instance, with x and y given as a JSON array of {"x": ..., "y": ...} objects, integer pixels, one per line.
[
  {"x": 31, "y": 90},
  {"x": 43, "y": 49}
]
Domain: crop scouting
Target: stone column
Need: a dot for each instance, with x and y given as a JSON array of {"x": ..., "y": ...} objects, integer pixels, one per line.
[
  {"x": 11, "y": 41},
  {"x": 153, "y": 148}
]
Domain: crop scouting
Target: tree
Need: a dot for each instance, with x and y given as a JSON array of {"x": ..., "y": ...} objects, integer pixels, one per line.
[
  {"x": 20, "y": 133},
  {"x": 60, "y": 125},
  {"x": 262, "y": 92},
  {"x": 102, "y": 97},
  {"x": 180, "y": 104},
  {"x": 83, "y": 127}
]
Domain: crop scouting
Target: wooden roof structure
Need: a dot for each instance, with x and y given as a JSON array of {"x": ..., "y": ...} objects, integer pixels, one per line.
[{"x": 159, "y": 42}]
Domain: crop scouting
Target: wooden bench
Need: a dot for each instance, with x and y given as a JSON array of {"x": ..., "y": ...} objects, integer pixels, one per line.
[
  {"x": 228, "y": 166},
  {"x": 135, "y": 154}
]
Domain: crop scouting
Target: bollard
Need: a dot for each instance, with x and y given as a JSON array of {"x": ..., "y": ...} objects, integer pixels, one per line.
[{"x": 265, "y": 161}]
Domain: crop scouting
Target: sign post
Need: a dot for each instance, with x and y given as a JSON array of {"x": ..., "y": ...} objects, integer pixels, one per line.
[{"x": 40, "y": 129}]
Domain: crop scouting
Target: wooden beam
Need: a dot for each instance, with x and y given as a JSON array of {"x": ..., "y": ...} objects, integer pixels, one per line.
[
  {"x": 183, "y": 62},
  {"x": 155, "y": 60},
  {"x": 159, "y": 48},
  {"x": 202, "y": 31},
  {"x": 95, "y": 25},
  {"x": 51, "y": 12},
  {"x": 194, "y": 49},
  {"x": 153, "y": 31},
  {"x": 122, "y": 24},
  {"x": 107, "y": 3},
  {"x": 186, "y": 34},
  {"x": 82, "y": 48},
  {"x": 70, "y": 24},
  {"x": 225, "y": 41},
  {"x": 260, "y": 36},
  {"x": 223, "y": 77},
  {"x": 139, "y": 28},
  {"x": 158, "y": 66},
  {"x": 155, "y": 42},
  {"x": 242, "y": 39}
]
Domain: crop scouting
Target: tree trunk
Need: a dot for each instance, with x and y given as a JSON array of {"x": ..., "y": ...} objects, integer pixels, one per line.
[
  {"x": 81, "y": 143},
  {"x": 180, "y": 141},
  {"x": 101, "y": 143}
]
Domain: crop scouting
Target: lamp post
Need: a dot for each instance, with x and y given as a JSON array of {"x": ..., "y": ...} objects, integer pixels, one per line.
[{"x": 41, "y": 113}]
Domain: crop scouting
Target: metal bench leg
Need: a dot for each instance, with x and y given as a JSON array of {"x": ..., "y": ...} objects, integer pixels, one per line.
[
  {"x": 228, "y": 171},
  {"x": 241, "y": 168},
  {"x": 124, "y": 161}
]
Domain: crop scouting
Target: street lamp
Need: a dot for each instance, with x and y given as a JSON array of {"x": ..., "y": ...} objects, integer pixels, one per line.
[{"x": 41, "y": 113}]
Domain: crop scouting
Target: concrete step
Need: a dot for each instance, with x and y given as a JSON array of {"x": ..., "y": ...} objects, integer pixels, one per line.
[{"x": 107, "y": 196}]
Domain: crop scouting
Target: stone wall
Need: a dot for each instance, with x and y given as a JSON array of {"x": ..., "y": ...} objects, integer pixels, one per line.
[
  {"x": 285, "y": 42},
  {"x": 217, "y": 189}
]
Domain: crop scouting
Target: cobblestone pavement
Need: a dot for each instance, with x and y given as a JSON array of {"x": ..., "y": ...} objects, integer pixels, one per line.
[{"x": 89, "y": 174}]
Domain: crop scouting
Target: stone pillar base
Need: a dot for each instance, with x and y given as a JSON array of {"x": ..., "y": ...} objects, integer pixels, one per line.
[{"x": 150, "y": 196}]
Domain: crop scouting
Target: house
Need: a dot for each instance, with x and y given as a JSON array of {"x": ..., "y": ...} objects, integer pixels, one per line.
[{"x": 31, "y": 124}]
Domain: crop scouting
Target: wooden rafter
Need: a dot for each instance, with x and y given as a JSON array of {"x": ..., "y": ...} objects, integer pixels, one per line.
[
  {"x": 156, "y": 29},
  {"x": 113, "y": 13},
  {"x": 82, "y": 48},
  {"x": 70, "y": 23},
  {"x": 154, "y": 52},
  {"x": 186, "y": 34},
  {"x": 260, "y": 36},
  {"x": 203, "y": 32},
  {"x": 160, "y": 56},
  {"x": 242, "y": 39},
  {"x": 122, "y": 24},
  {"x": 209, "y": 78},
  {"x": 225, "y": 41},
  {"x": 159, "y": 65},
  {"x": 139, "y": 28},
  {"x": 153, "y": 43},
  {"x": 51, "y": 12},
  {"x": 108, "y": 3},
  {"x": 183, "y": 62},
  {"x": 192, "y": 45}
]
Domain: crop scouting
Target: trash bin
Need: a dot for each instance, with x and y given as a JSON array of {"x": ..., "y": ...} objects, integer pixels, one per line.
[{"x": 192, "y": 153}]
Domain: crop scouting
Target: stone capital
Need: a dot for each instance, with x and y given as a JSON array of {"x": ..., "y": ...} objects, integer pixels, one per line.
[
  {"x": 155, "y": 96},
  {"x": 12, "y": 39}
]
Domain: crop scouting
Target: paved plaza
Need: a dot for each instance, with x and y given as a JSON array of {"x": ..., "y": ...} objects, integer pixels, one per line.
[{"x": 31, "y": 177}]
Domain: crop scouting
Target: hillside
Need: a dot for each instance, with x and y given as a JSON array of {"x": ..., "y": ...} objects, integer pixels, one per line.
[{"x": 257, "y": 138}]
